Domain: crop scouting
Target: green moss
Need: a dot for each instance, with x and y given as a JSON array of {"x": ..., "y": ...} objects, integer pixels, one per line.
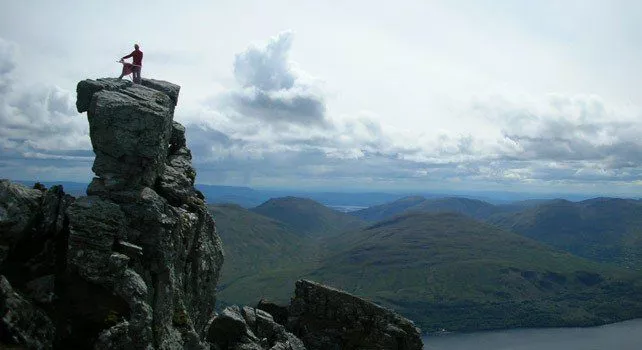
[
  {"x": 180, "y": 318},
  {"x": 191, "y": 174},
  {"x": 112, "y": 318}
]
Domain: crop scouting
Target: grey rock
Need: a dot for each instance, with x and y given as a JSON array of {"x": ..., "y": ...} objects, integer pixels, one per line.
[
  {"x": 32, "y": 223},
  {"x": 85, "y": 90},
  {"x": 94, "y": 226},
  {"x": 327, "y": 318},
  {"x": 249, "y": 328},
  {"x": 169, "y": 89},
  {"x": 177, "y": 140},
  {"x": 130, "y": 128},
  {"x": 278, "y": 312},
  {"x": 131, "y": 250},
  {"x": 23, "y": 324},
  {"x": 176, "y": 183},
  {"x": 41, "y": 289},
  {"x": 117, "y": 337},
  {"x": 148, "y": 236},
  {"x": 19, "y": 209}
]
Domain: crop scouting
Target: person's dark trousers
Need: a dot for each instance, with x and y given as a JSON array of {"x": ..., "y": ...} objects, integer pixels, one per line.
[{"x": 136, "y": 74}]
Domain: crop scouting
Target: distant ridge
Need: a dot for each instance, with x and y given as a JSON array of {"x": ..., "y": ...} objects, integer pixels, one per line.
[
  {"x": 601, "y": 229},
  {"x": 447, "y": 270},
  {"x": 75, "y": 189},
  {"x": 308, "y": 217},
  {"x": 471, "y": 207}
]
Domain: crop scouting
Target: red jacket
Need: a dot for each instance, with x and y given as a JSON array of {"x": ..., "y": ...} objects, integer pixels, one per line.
[{"x": 138, "y": 57}]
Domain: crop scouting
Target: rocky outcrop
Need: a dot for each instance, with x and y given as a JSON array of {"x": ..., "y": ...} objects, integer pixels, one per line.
[
  {"x": 327, "y": 318},
  {"x": 250, "y": 328},
  {"x": 22, "y": 324},
  {"x": 32, "y": 237},
  {"x": 19, "y": 208},
  {"x": 130, "y": 126},
  {"x": 135, "y": 263},
  {"x": 143, "y": 234}
]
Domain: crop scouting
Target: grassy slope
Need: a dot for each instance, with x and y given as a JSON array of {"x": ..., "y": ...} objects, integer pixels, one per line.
[
  {"x": 307, "y": 216},
  {"x": 441, "y": 270},
  {"x": 257, "y": 246},
  {"x": 446, "y": 270},
  {"x": 601, "y": 229}
]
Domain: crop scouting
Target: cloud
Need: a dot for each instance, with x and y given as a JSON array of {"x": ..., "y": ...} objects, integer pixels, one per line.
[
  {"x": 577, "y": 129},
  {"x": 7, "y": 64},
  {"x": 37, "y": 123},
  {"x": 275, "y": 127},
  {"x": 272, "y": 89}
]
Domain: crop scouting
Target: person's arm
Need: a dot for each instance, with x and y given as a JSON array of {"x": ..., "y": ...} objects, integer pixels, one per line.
[{"x": 128, "y": 56}]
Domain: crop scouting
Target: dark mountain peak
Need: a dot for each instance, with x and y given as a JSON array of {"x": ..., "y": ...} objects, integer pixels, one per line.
[
  {"x": 291, "y": 200},
  {"x": 472, "y": 207},
  {"x": 602, "y": 201},
  {"x": 416, "y": 199},
  {"x": 307, "y": 216},
  {"x": 559, "y": 201}
]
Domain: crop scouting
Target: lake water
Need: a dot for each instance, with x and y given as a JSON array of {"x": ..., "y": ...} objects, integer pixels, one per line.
[{"x": 618, "y": 336}]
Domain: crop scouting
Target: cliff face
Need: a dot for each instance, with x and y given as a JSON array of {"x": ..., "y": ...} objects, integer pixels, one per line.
[
  {"x": 327, "y": 318},
  {"x": 144, "y": 233},
  {"x": 135, "y": 264}
]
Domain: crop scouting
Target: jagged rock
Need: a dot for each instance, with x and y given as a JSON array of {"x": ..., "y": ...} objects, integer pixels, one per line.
[
  {"x": 177, "y": 140},
  {"x": 116, "y": 337},
  {"x": 130, "y": 128},
  {"x": 278, "y": 312},
  {"x": 250, "y": 329},
  {"x": 22, "y": 324},
  {"x": 150, "y": 239},
  {"x": 169, "y": 89},
  {"x": 94, "y": 226},
  {"x": 41, "y": 289},
  {"x": 19, "y": 208},
  {"x": 327, "y": 318},
  {"x": 32, "y": 232},
  {"x": 176, "y": 182}
]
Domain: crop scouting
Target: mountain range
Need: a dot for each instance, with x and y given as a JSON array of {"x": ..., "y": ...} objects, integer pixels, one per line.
[{"x": 453, "y": 263}]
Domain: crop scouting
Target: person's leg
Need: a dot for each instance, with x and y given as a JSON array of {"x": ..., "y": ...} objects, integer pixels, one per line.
[{"x": 136, "y": 72}]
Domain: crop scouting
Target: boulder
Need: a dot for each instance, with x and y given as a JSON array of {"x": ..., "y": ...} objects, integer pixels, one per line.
[
  {"x": 130, "y": 127},
  {"x": 327, "y": 318},
  {"x": 32, "y": 235},
  {"x": 21, "y": 323},
  {"x": 19, "y": 209},
  {"x": 250, "y": 329}
]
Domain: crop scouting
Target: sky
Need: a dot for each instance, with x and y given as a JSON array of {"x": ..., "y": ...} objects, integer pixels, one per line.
[{"x": 480, "y": 95}]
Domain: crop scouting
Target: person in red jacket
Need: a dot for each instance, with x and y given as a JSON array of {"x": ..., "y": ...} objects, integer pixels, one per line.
[{"x": 136, "y": 66}]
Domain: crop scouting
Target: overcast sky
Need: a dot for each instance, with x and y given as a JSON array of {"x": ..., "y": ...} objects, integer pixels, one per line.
[{"x": 538, "y": 96}]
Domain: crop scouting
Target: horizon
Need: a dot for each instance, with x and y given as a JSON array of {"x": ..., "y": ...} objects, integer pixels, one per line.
[
  {"x": 498, "y": 96},
  {"x": 493, "y": 197}
]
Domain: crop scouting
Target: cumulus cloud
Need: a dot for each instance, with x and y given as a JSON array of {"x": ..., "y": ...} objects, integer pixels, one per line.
[
  {"x": 581, "y": 130},
  {"x": 274, "y": 128},
  {"x": 7, "y": 64},
  {"x": 273, "y": 89},
  {"x": 554, "y": 141},
  {"x": 37, "y": 122}
]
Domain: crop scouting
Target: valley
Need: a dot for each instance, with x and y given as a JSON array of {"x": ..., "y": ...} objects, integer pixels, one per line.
[{"x": 451, "y": 263}]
